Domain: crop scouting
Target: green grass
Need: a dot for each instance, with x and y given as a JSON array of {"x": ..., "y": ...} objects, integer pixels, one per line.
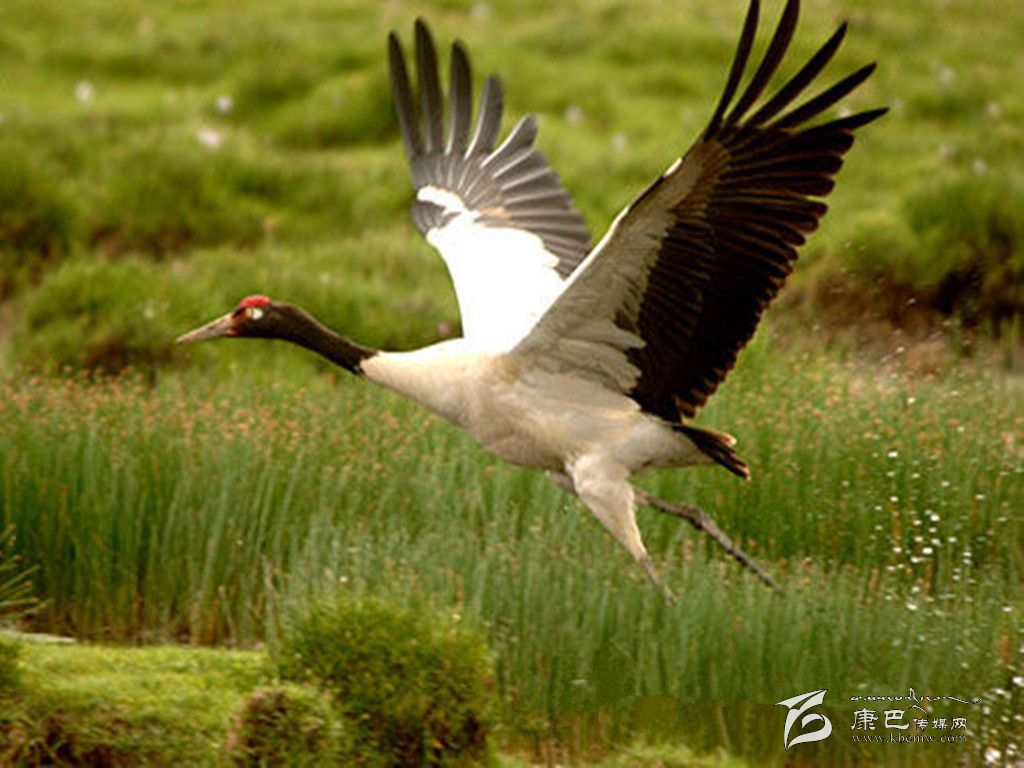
[
  {"x": 158, "y": 163},
  {"x": 89, "y": 705},
  {"x": 179, "y": 134},
  {"x": 164, "y": 706},
  {"x": 885, "y": 503},
  {"x": 413, "y": 690}
]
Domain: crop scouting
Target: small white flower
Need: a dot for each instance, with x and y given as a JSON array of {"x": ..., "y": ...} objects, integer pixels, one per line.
[
  {"x": 85, "y": 91},
  {"x": 209, "y": 138},
  {"x": 574, "y": 114},
  {"x": 224, "y": 103}
]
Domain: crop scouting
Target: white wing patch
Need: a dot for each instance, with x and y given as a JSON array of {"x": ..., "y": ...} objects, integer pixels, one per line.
[
  {"x": 451, "y": 202},
  {"x": 504, "y": 278}
]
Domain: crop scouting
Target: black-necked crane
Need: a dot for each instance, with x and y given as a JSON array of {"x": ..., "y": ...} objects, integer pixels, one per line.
[{"x": 586, "y": 362}]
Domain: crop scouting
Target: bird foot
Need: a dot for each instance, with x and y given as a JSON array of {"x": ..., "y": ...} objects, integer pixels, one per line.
[
  {"x": 652, "y": 576},
  {"x": 700, "y": 520}
]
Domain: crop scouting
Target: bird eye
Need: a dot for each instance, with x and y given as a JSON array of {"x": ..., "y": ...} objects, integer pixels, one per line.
[{"x": 253, "y": 313}]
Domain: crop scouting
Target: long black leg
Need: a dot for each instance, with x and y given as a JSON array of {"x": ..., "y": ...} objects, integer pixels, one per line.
[{"x": 700, "y": 520}]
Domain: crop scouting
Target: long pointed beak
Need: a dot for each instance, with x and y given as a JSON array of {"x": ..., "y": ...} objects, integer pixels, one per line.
[{"x": 220, "y": 327}]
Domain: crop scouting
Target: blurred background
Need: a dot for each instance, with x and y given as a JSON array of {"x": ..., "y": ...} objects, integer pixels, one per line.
[{"x": 158, "y": 162}]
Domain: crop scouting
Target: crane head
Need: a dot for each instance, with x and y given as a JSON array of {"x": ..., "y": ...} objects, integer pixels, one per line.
[{"x": 254, "y": 316}]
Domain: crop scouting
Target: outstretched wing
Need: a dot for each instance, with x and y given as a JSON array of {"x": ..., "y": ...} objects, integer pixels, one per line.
[
  {"x": 500, "y": 217},
  {"x": 664, "y": 303}
]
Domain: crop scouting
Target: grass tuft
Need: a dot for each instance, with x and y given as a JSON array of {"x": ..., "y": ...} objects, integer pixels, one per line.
[
  {"x": 286, "y": 725},
  {"x": 416, "y": 691},
  {"x": 161, "y": 199},
  {"x": 38, "y": 220}
]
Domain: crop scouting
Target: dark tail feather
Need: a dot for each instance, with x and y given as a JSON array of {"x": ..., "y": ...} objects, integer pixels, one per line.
[{"x": 718, "y": 446}]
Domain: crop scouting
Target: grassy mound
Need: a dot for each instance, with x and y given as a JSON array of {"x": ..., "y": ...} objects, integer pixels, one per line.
[
  {"x": 90, "y": 705},
  {"x": 416, "y": 691},
  {"x": 286, "y": 725}
]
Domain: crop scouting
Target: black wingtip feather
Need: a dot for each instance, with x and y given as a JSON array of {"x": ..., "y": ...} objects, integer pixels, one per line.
[
  {"x": 488, "y": 124},
  {"x": 461, "y": 100},
  {"x": 734, "y": 235},
  {"x": 824, "y": 100},
  {"x": 520, "y": 139},
  {"x": 430, "y": 88},
  {"x": 773, "y": 56},
  {"x": 801, "y": 79},
  {"x": 739, "y": 64},
  {"x": 401, "y": 91}
]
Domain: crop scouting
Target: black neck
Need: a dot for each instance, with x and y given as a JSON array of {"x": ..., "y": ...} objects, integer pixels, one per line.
[{"x": 299, "y": 327}]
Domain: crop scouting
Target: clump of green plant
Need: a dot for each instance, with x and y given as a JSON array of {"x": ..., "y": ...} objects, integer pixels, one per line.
[
  {"x": 286, "y": 725},
  {"x": 38, "y": 221},
  {"x": 161, "y": 200},
  {"x": 954, "y": 249},
  {"x": 8, "y": 666},
  {"x": 98, "y": 315},
  {"x": 417, "y": 690},
  {"x": 16, "y": 600},
  {"x": 16, "y": 596},
  {"x": 338, "y": 113},
  {"x": 972, "y": 227}
]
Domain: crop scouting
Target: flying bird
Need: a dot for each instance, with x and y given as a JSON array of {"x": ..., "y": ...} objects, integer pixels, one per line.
[{"x": 587, "y": 362}]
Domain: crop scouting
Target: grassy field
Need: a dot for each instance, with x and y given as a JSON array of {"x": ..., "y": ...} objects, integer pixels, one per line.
[
  {"x": 888, "y": 506},
  {"x": 100, "y": 706},
  {"x": 161, "y": 162},
  {"x": 158, "y": 163}
]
